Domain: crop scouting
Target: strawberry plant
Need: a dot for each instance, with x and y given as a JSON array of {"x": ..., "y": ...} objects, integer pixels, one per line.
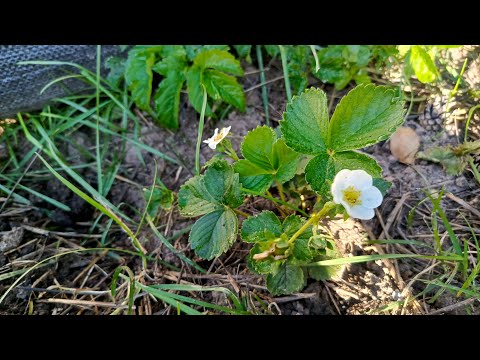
[{"x": 287, "y": 246}]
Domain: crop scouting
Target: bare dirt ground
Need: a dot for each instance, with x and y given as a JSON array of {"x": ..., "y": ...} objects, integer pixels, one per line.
[{"x": 29, "y": 235}]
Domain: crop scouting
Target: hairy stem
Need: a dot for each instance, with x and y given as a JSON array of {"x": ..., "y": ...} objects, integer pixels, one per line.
[
  {"x": 280, "y": 190},
  {"x": 271, "y": 198},
  {"x": 240, "y": 212},
  {"x": 229, "y": 150},
  {"x": 315, "y": 217}
]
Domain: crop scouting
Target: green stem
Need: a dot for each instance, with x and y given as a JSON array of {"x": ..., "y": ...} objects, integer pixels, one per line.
[
  {"x": 476, "y": 173},
  {"x": 280, "y": 190},
  {"x": 315, "y": 217},
  {"x": 467, "y": 124},
  {"x": 271, "y": 198},
  {"x": 233, "y": 155},
  {"x": 411, "y": 99},
  {"x": 457, "y": 84},
  {"x": 240, "y": 212},
  {"x": 317, "y": 63},
  {"x": 285, "y": 72},
  {"x": 229, "y": 150},
  {"x": 200, "y": 131},
  {"x": 264, "y": 86}
]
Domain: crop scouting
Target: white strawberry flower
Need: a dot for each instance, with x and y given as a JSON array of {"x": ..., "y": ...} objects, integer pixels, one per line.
[
  {"x": 355, "y": 191},
  {"x": 217, "y": 137}
]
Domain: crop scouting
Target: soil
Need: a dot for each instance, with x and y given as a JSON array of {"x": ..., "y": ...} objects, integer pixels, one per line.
[{"x": 31, "y": 234}]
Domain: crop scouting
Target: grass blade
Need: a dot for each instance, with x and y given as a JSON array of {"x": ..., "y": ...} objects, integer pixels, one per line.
[
  {"x": 97, "y": 205},
  {"x": 288, "y": 89},
  {"x": 264, "y": 86},
  {"x": 171, "y": 247},
  {"x": 365, "y": 258},
  {"x": 131, "y": 288},
  {"x": 200, "y": 131}
]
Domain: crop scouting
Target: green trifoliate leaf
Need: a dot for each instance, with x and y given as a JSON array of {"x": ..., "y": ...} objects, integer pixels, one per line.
[
  {"x": 287, "y": 279},
  {"x": 225, "y": 87},
  {"x": 326, "y": 272},
  {"x": 167, "y": 99},
  {"x": 292, "y": 224},
  {"x": 214, "y": 233},
  {"x": 423, "y": 65},
  {"x": 194, "y": 50},
  {"x": 299, "y": 61},
  {"x": 253, "y": 177},
  {"x": 215, "y": 194},
  {"x": 366, "y": 115},
  {"x": 138, "y": 74},
  {"x": 195, "y": 89},
  {"x": 174, "y": 58},
  {"x": 247, "y": 167},
  {"x": 219, "y": 60},
  {"x": 334, "y": 67},
  {"x": 305, "y": 123},
  {"x": 257, "y": 146},
  {"x": 260, "y": 228},
  {"x": 195, "y": 200},
  {"x": 356, "y": 161},
  {"x": 217, "y": 188},
  {"x": 301, "y": 248},
  {"x": 321, "y": 170},
  {"x": 285, "y": 161},
  {"x": 210, "y": 69},
  {"x": 266, "y": 159},
  {"x": 116, "y": 65}
]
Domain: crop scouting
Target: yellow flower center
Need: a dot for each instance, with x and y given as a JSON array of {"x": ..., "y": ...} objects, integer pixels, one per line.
[
  {"x": 218, "y": 137},
  {"x": 352, "y": 196}
]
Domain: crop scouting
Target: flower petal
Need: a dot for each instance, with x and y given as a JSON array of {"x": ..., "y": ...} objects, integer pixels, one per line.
[
  {"x": 360, "y": 212},
  {"x": 340, "y": 183},
  {"x": 361, "y": 179},
  {"x": 343, "y": 175},
  {"x": 371, "y": 197},
  {"x": 226, "y": 130}
]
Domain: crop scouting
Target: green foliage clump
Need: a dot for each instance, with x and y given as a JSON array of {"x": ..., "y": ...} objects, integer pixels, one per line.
[{"x": 192, "y": 67}]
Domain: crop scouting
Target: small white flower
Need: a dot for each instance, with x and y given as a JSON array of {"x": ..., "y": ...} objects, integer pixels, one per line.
[
  {"x": 397, "y": 295},
  {"x": 355, "y": 191},
  {"x": 217, "y": 137}
]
